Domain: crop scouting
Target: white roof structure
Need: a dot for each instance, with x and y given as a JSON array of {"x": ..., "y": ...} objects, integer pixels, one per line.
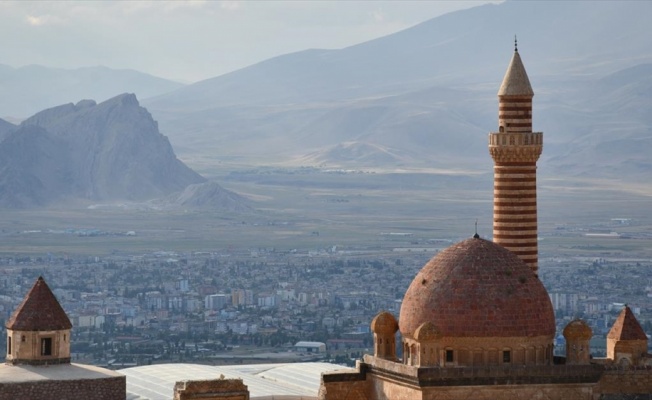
[
  {"x": 265, "y": 381},
  {"x": 310, "y": 344},
  {"x": 55, "y": 372}
]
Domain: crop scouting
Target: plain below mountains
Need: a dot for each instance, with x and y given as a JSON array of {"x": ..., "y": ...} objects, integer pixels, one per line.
[
  {"x": 425, "y": 97},
  {"x": 112, "y": 151}
]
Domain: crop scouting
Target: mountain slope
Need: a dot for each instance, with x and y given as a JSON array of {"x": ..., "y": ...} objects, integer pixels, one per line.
[
  {"x": 428, "y": 91},
  {"x": 5, "y": 129},
  {"x": 107, "y": 151}
]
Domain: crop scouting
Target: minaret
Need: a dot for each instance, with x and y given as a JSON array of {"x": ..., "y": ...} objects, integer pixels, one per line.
[{"x": 515, "y": 150}]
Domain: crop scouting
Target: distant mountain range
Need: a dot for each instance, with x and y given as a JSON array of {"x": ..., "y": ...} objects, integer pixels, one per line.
[
  {"x": 421, "y": 98},
  {"x": 426, "y": 96},
  {"x": 32, "y": 88},
  {"x": 92, "y": 152}
]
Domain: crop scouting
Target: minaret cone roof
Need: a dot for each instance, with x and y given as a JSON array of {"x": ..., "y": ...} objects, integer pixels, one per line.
[
  {"x": 516, "y": 82},
  {"x": 39, "y": 311},
  {"x": 626, "y": 327}
]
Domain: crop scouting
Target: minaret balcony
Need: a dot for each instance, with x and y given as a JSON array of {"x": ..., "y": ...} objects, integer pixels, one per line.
[{"x": 515, "y": 139}]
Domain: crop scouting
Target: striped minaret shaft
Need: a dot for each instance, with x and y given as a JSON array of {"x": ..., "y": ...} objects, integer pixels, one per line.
[{"x": 515, "y": 150}]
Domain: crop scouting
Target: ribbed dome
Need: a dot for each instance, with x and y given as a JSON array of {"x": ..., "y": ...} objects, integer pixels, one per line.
[
  {"x": 384, "y": 323},
  {"x": 578, "y": 329},
  {"x": 477, "y": 288}
]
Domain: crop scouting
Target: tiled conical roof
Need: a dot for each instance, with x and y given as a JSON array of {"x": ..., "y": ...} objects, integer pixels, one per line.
[
  {"x": 516, "y": 82},
  {"x": 39, "y": 311},
  {"x": 626, "y": 327}
]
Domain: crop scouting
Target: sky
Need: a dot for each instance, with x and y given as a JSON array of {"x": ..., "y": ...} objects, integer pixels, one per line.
[{"x": 189, "y": 41}]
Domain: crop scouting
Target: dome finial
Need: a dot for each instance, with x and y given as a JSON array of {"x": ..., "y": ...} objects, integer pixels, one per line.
[
  {"x": 515, "y": 45},
  {"x": 476, "y": 236}
]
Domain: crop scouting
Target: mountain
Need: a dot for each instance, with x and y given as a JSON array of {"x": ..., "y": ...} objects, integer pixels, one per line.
[
  {"x": 99, "y": 152},
  {"x": 203, "y": 196},
  {"x": 5, "y": 128},
  {"x": 28, "y": 89},
  {"x": 428, "y": 93}
]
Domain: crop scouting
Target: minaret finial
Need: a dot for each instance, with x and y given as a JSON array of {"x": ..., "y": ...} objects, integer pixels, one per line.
[
  {"x": 515, "y": 45},
  {"x": 476, "y": 236}
]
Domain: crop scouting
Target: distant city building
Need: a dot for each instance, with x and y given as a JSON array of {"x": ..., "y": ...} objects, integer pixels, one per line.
[{"x": 310, "y": 347}]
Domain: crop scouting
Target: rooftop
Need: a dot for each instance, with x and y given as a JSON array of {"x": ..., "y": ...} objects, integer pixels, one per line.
[
  {"x": 156, "y": 382},
  {"x": 516, "y": 82},
  {"x": 39, "y": 311}
]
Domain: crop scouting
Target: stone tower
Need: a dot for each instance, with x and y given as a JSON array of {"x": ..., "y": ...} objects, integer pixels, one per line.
[
  {"x": 515, "y": 150},
  {"x": 38, "y": 333},
  {"x": 626, "y": 341},
  {"x": 578, "y": 336},
  {"x": 384, "y": 326}
]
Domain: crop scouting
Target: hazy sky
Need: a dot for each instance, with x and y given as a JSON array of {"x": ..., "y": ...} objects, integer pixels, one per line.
[{"x": 194, "y": 40}]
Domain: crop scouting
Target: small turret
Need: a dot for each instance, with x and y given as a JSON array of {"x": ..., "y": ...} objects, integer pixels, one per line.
[
  {"x": 38, "y": 332},
  {"x": 626, "y": 341},
  {"x": 578, "y": 335},
  {"x": 384, "y": 327}
]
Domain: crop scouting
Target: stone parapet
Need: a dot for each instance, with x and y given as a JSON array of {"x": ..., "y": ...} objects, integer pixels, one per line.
[
  {"x": 113, "y": 388},
  {"x": 617, "y": 381},
  {"x": 515, "y": 154},
  {"x": 211, "y": 389},
  {"x": 489, "y": 375}
]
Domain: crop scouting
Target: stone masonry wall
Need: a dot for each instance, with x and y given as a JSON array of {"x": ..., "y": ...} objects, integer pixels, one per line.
[
  {"x": 97, "y": 389},
  {"x": 213, "y": 389},
  {"x": 618, "y": 382}
]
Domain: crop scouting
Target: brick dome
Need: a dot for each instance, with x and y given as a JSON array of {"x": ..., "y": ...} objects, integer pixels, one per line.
[
  {"x": 426, "y": 332},
  {"x": 578, "y": 329},
  {"x": 477, "y": 288},
  {"x": 384, "y": 323}
]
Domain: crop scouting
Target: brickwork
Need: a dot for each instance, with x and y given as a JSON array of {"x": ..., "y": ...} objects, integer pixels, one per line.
[
  {"x": 476, "y": 288},
  {"x": 214, "y": 389},
  {"x": 380, "y": 379},
  {"x": 39, "y": 311},
  {"x": 27, "y": 347},
  {"x": 625, "y": 381},
  {"x": 627, "y": 352},
  {"x": 113, "y": 388},
  {"x": 578, "y": 336},
  {"x": 345, "y": 385},
  {"x": 481, "y": 351},
  {"x": 384, "y": 327},
  {"x": 515, "y": 150},
  {"x": 560, "y": 392}
]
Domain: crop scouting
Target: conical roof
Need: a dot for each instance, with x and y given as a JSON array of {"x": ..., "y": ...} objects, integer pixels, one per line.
[
  {"x": 39, "y": 311},
  {"x": 516, "y": 82},
  {"x": 626, "y": 327}
]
